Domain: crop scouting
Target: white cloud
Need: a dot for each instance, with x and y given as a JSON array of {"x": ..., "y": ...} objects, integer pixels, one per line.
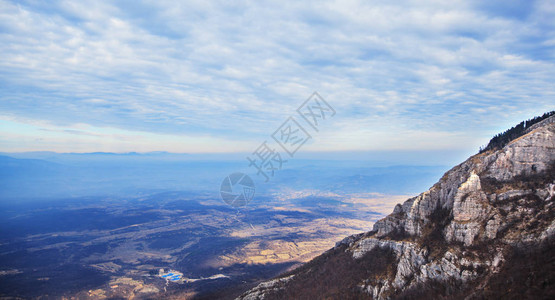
[{"x": 449, "y": 70}]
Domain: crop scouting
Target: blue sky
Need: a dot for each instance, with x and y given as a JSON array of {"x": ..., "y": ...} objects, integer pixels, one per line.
[{"x": 211, "y": 76}]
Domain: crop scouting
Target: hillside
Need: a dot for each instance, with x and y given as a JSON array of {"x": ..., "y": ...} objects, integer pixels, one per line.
[{"x": 485, "y": 230}]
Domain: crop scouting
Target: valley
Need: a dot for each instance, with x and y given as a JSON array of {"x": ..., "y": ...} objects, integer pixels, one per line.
[{"x": 119, "y": 247}]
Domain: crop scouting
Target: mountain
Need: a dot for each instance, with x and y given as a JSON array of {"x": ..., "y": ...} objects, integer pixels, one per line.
[
  {"x": 485, "y": 230},
  {"x": 43, "y": 176}
]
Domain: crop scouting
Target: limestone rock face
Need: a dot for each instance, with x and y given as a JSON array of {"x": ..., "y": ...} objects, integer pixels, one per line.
[
  {"x": 460, "y": 230},
  {"x": 260, "y": 290}
]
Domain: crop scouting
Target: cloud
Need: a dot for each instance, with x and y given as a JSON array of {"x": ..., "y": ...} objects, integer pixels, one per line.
[
  {"x": 31, "y": 136},
  {"x": 449, "y": 70}
]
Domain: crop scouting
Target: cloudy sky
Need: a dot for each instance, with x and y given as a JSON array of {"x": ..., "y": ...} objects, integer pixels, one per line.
[{"x": 210, "y": 76}]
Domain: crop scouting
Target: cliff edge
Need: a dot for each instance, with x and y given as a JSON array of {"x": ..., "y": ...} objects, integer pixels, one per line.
[{"x": 486, "y": 229}]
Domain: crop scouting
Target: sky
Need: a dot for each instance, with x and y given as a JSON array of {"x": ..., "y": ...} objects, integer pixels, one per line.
[{"x": 219, "y": 77}]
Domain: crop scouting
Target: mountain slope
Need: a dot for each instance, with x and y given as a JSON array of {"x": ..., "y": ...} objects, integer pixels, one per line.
[{"x": 486, "y": 229}]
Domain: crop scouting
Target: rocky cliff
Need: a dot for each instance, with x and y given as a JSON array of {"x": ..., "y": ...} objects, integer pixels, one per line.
[{"x": 486, "y": 229}]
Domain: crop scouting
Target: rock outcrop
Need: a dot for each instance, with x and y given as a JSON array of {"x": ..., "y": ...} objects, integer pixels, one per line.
[{"x": 488, "y": 222}]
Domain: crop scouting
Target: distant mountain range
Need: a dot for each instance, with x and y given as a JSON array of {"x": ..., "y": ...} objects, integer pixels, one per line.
[
  {"x": 486, "y": 230},
  {"x": 46, "y": 175}
]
